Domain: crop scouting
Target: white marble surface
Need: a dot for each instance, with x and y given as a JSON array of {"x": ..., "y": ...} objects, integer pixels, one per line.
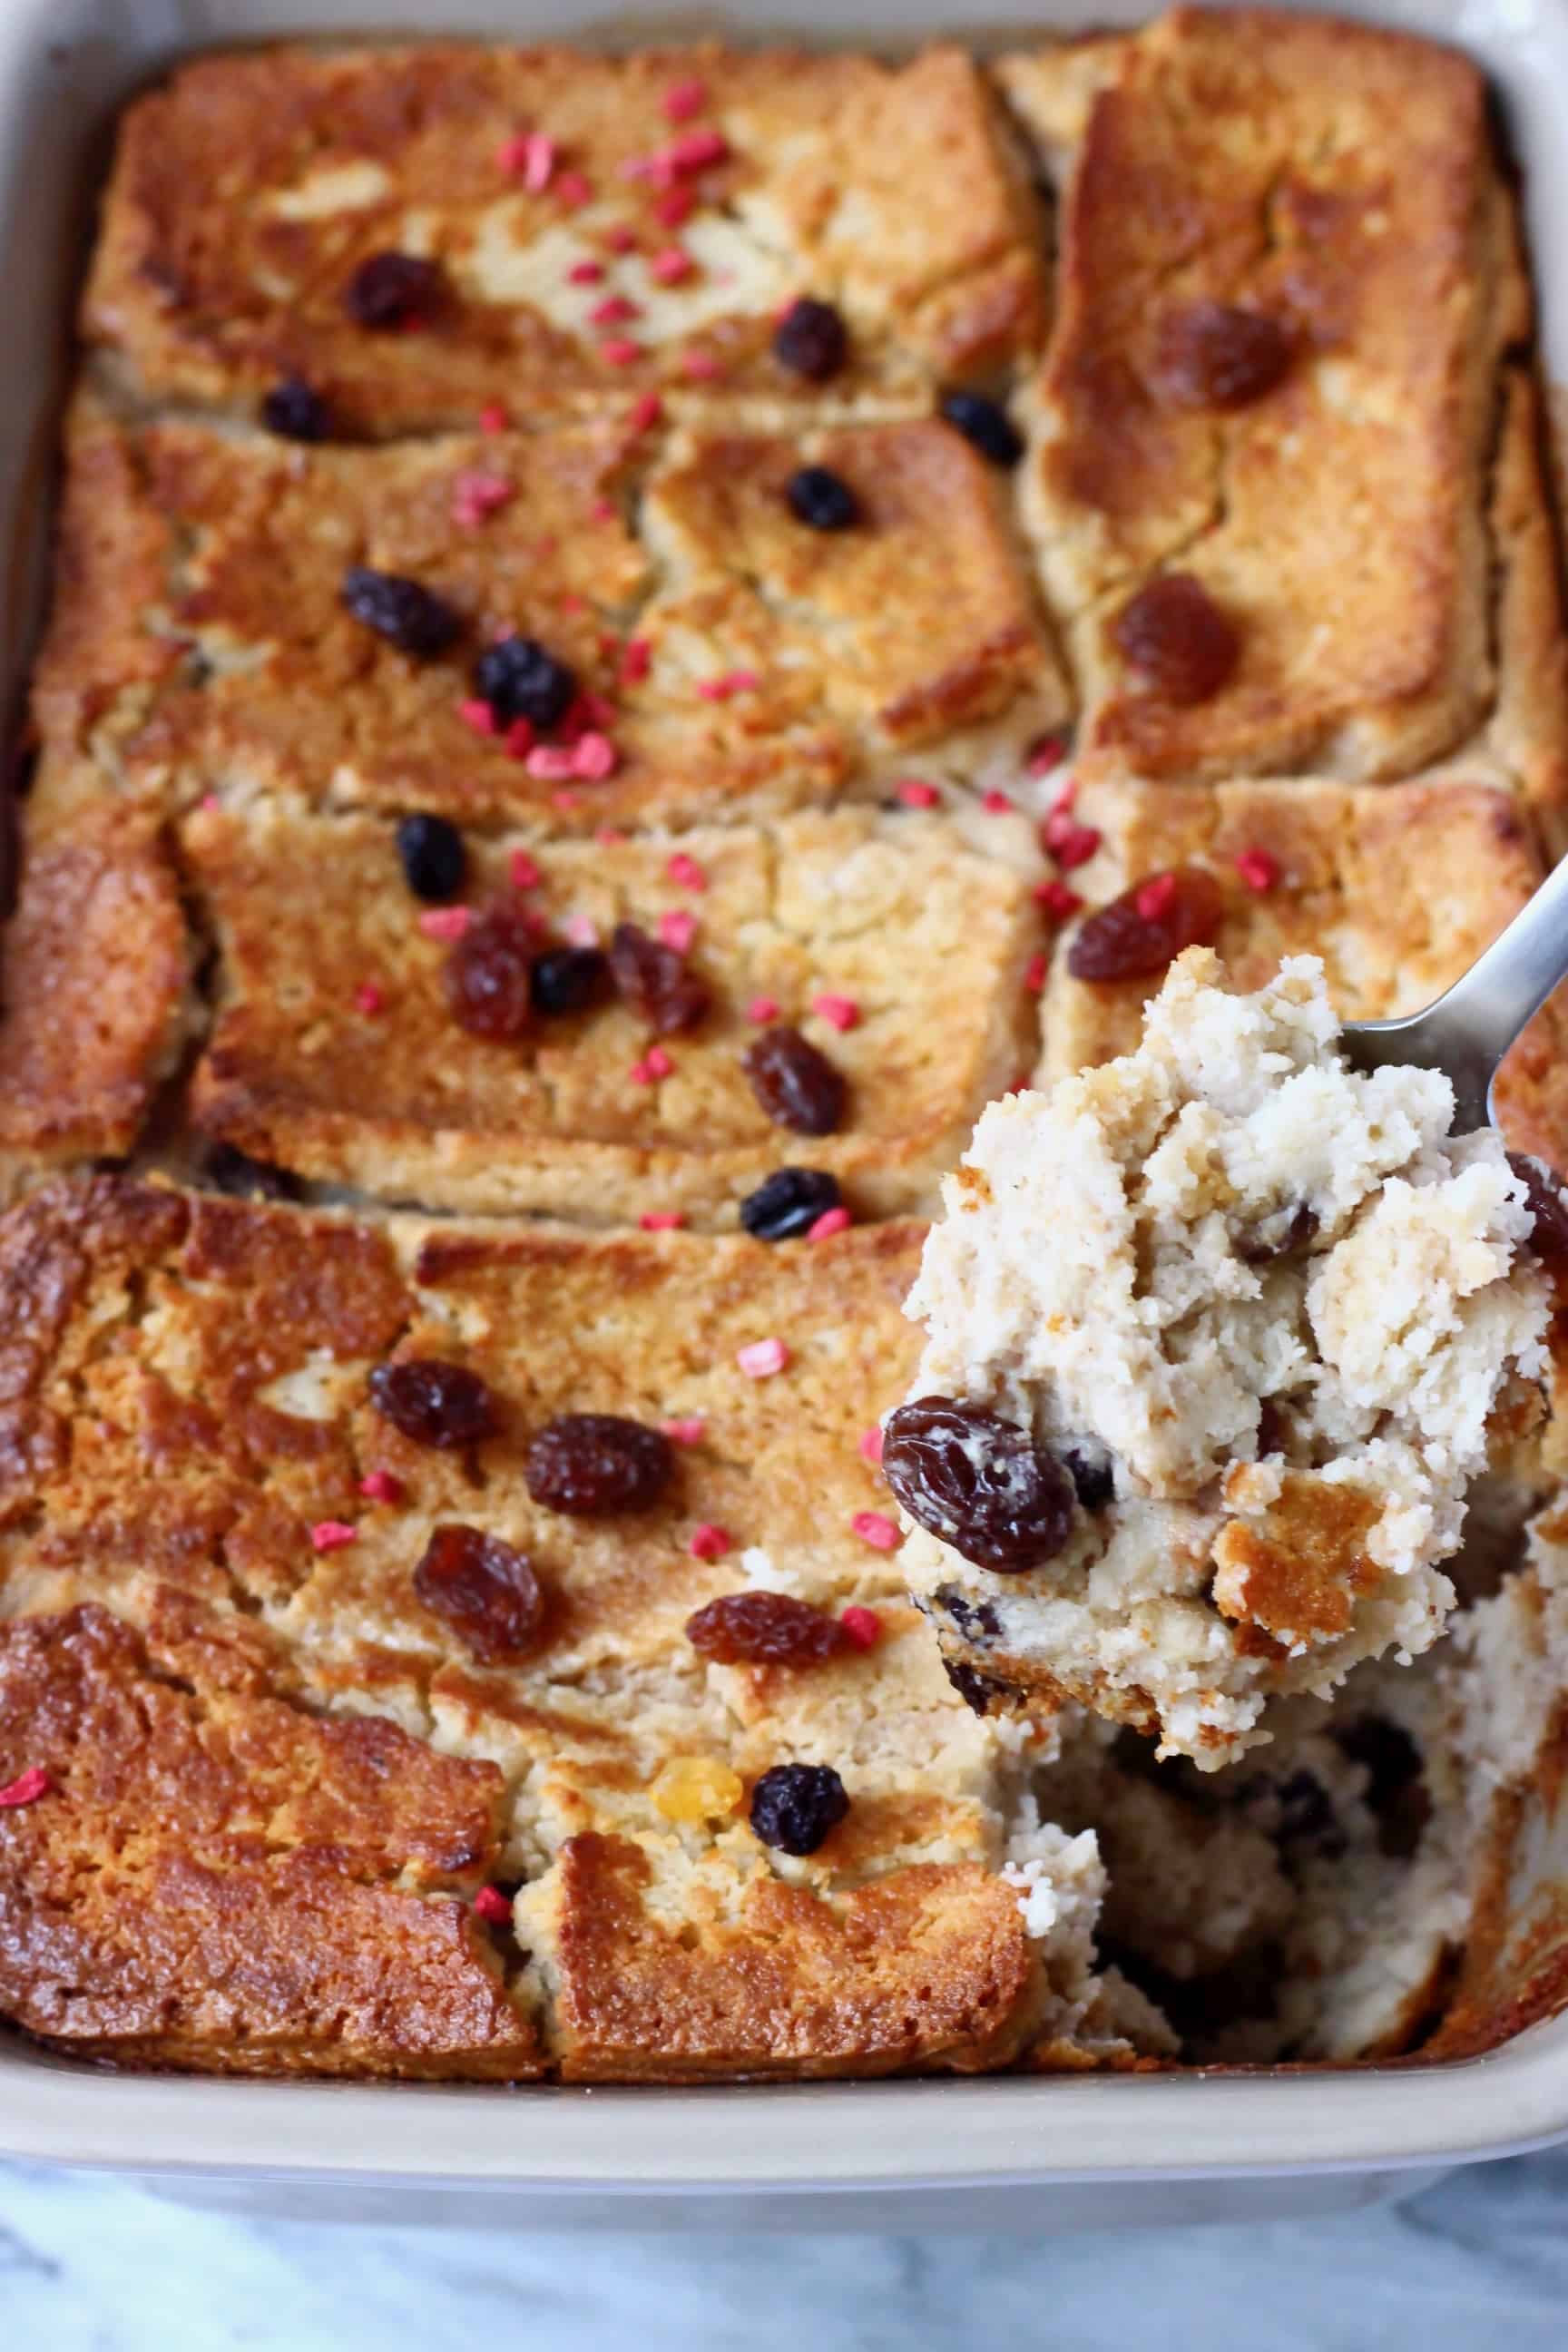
[{"x": 1479, "y": 2261}]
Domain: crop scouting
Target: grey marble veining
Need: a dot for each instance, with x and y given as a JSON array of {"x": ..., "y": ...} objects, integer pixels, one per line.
[{"x": 1478, "y": 2261}]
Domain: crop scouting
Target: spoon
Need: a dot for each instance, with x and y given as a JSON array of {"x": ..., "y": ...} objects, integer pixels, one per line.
[{"x": 1469, "y": 1028}]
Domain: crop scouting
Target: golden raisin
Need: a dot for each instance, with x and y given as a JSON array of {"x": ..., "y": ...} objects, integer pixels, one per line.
[{"x": 696, "y": 1789}]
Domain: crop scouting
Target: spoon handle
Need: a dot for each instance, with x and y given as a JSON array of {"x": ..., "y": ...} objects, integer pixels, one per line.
[{"x": 1468, "y": 1029}]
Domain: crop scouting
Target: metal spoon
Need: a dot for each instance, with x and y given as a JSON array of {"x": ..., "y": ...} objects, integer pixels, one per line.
[{"x": 1466, "y": 1032}]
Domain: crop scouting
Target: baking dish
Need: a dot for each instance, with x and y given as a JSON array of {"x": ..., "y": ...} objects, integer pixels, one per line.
[{"x": 1059, "y": 2154}]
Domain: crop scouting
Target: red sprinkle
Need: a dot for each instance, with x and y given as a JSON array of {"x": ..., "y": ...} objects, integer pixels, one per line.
[
  {"x": 613, "y": 311},
  {"x": 1070, "y": 844},
  {"x": 331, "y": 1535},
  {"x": 369, "y": 998},
  {"x": 601, "y": 510},
  {"x": 686, "y": 872},
  {"x": 677, "y": 928},
  {"x": 871, "y": 1442},
  {"x": 682, "y": 99},
  {"x": 27, "y": 1788},
  {"x": 522, "y": 871},
  {"x": 621, "y": 238},
  {"x": 831, "y": 1221},
  {"x": 675, "y": 207},
  {"x": 695, "y": 150},
  {"x": 762, "y": 1009},
  {"x": 1156, "y": 898},
  {"x": 518, "y": 741},
  {"x": 709, "y": 1542},
  {"x": 671, "y": 265},
  {"x": 690, "y": 1429},
  {"x": 840, "y": 1012},
  {"x": 662, "y": 1221},
  {"x": 1057, "y": 901},
  {"x": 620, "y": 351},
  {"x": 916, "y": 794},
  {"x": 1048, "y": 753},
  {"x": 875, "y": 1528},
  {"x": 476, "y": 715},
  {"x": 637, "y": 660},
  {"x": 657, "y": 1062},
  {"x": 594, "y": 757},
  {"x": 1259, "y": 869},
  {"x": 445, "y": 922},
  {"x": 585, "y": 273},
  {"x": 491, "y": 1904},
  {"x": 995, "y": 803},
  {"x": 863, "y": 1626},
  {"x": 762, "y": 1359},
  {"x": 380, "y": 1486},
  {"x": 1035, "y": 974},
  {"x": 493, "y": 417},
  {"x": 574, "y": 189},
  {"x": 476, "y": 496}
]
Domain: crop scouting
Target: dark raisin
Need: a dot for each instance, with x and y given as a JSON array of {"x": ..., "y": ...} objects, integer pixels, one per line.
[
  {"x": 487, "y": 975},
  {"x": 1177, "y": 640},
  {"x": 487, "y": 1592},
  {"x": 434, "y": 858},
  {"x": 1273, "y": 1428},
  {"x": 1215, "y": 355},
  {"x": 985, "y": 424},
  {"x": 811, "y": 340},
  {"x": 822, "y": 499},
  {"x": 594, "y": 1465},
  {"x": 521, "y": 678},
  {"x": 432, "y": 1402},
  {"x": 655, "y": 982},
  {"x": 980, "y": 1693},
  {"x": 1276, "y": 1235},
  {"x": 975, "y": 1620},
  {"x": 1138, "y": 934},
  {"x": 394, "y": 289},
  {"x": 230, "y": 1169},
  {"x": 407, "y": 615},
  {"x": 765, "y": 1629},
  {"x": 567, "y": 979},
  {"x": 789, "y": 1202},
  {"x": 1547, "y": 1204},
  {"x": 979, "y": 1483},
  {"x": 796, "y": 1086},
  {"x": 793, "y": 1806},
  {"x": 293, "y": 410},
  {"x": 1093, "y": 1477}
]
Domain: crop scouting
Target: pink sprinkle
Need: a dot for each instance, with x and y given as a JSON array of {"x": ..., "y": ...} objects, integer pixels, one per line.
[
  {"x": 27, "y": 1788},
  {"x": 875, "y": 1528},
  {"x": 620, "y": 351},
  {"x": 614, "y": 311},
  {"x": 841, "y": 1011},
  {"x": 380, "y": 1486},
  {"x": 1070, "y": 844},
  {"x": 493, "y": 417},
  {"x": 574, "y": 190},
  {"x": 211, "y": 801},
  {"x": 640, "y": 1074},
  {"x": 476, "y": 496},
  {"x": 762, "y": 1359},
  {"x": 580, "y": 931},
  {"x": 997, "y": 804},
  {"x": 1056, "y": 900},
  {"x": 1259, "y": 869},
  {"x": 1035, "y": 974},
  {"x": 637, "y": 660},
  {"x": 1156, "y": 898},
  {"x": 686, "y": 872},
  {"x": 762, "y": 1010},
  {"x": 608, "y": 836},
  {"x": 671, "y": 265},
  {"x": 871, "y": 1442},
  {"x": 695, "y": 150},
  {"x": 916, "y": 794},
  {"x": 601, "y": 510},
  {"x": 677, "y": 928},
  {"x": 368, "y": 998},
  {"x": 831, "y": 1221},
  {"x": 1048, "y": 753},
  {"x": 538, "y": 161},
  {"x": 700, "y": 365},
  {"x": 709, "y": 1542},
  {"x": 656, "y": 1063},
  {"x": 682, "y": 99},
  {"x": 565, "y": 802},
  {"x": 662, "y": 1221},
  {"x": 621, "y": 238},
  {"x": 331, "y": 1535},
  {"x": 863, "y": 1626},
  {"x": 491, "y": 1904},
  {"x": 712, "y": 689},
  {"x": 476, "y": 715},
  {"x": 585, "y": 273},
  {"x": 511, "y": 155},
  {"x": 522, "y": 871},
  {"x": 443, "y": 922},
  {"x": 518, "y": 741},
  {"x": 675, "y": 207},
  {"x": 594, "y": 757},
  {"x": 689, "y": 1429},
  {"x": 550, "y": 763}
]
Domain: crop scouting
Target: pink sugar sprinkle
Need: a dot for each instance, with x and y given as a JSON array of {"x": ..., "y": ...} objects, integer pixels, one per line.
[
  {"x": 712, "y": 689},
  {"x": 709, "y": 1542},
  {"x": 657, "y": 1063},
  {"x": 682, "y": 99},
  {"x": 646, "y": 412},
  {"x": 677, "y": 928},
  {"x": 620, "y": 351},
  {"x": 675, "y": 207},
  {"x": 476, "y": 496},
  {"x": 331, "y": 1535},
  {"x": 686, "y": 872},
  {"x": 640, "y": 1074},
  {"x": 539, "y": 157},
  {"x": 831, "y": 1221},
  {"x": 443, "y": 922},
  {"x": 511, "y": 155},
  {"x": 914, "y": 793},
  {"x": 875, "y": 1528},
  {"x": 1259, "y": 869},
  {"x": 476, "y": 715},
  {"x": 493, "y": 417},
  {"x": 840, "y": 1012},
  {"x": 551, "y": 762},
  {"x": 863, "y": 1626},
  {"x": 995, "y": 803},
  {"x": 613, "y": 311},
  {"x": 601, "y": 510},
  {"x": 574, "y": 190},
  {"x": 701, "y": 366},
  {"x": 368, "y": 998},
  {"x": 594, "y": 757},
  {"x": 27, "y": 1788},
  {"x": 491, "y": 1904},
  {"x": 380, "y": 1486},
  {"x": 871, "y": 1442},
  {"x": 637, "y": 660},
  {"x": 211, "y": 801},
  {"x": 518, "y": 741},
  {"x": 762, "y": 1357},
  {"x": 1056, "y": 900},
  {"x": 1048, "y": 753},
  {"x": 694, "y": 151},
  {"x": 522, "y": 871},
  {"x": 762, "y": 1010},
  {"x": 608, "y": 836},
  {"x": 565, "y": 802},
  {"x": 661, "y": 1220},
  {"x": 1035, "y": 974},
  {"x": 1156, "y": 897},
  {"x": 580, "y": 931},
  {"x": 690, "y": 1429},
  {"x": 585, "y": 273},
  {"x": 671, "y": 265}
]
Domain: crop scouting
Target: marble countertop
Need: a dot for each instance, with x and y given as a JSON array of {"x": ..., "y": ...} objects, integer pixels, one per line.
[{"x": 1477, "y": 2261}]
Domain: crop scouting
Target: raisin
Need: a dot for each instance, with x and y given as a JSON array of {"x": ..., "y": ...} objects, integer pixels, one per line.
[
  {"x": 594, "y": 1465},
  {"x": 1215, "y": 355},
  {"x": 985, "y": 424},
  {"x": 407, "y": 615},
  {"x": 1093, "y": 1479},
  {"x": 1276, "y": 1235},
  {"x": 789, "y": 1202},
  {"x": 793, "y": 1806},
  {"x": 230, "y": 1169},
  {"x": 434, "y": 858},
  {"x": 822, "y": 499},
  {"x": 297, "y": 412},
  {"x": 1547, "y": 1204},
  {"x": 567, "y": 979},
  {"x": 432, "y": 1402},
  {"x": 1123, "y": 940},
  {"x": 979, "y": 1483},
  {"x": 488, "y": 976},
  {"x": 521, "y": 678},
  {"x": 394, "y": 289},
  {"x": 796, "y": 1086},
  {"x": 975, "y": 1620},
  {"x": 654, "y": 980},
  {"x": 487, "y": 1592},
  {"x": 1177, "y": 640},
  {"x": 811, "y": 340},
  {"x": 979, "y": 1691},
  {"x": 765, "y": 1629}
]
